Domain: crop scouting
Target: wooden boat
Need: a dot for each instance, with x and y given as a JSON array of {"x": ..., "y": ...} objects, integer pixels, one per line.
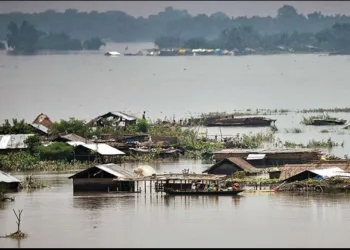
[
  {"x": 320, "y": 122},
  {"x": 216, "y": 193}
]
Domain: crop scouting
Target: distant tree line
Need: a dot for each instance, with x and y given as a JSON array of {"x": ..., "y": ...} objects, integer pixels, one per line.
[
  {"x": 121, "y": 27},
  {"x": 26, "y": 39},
  {"x": 336, "y": 38}
]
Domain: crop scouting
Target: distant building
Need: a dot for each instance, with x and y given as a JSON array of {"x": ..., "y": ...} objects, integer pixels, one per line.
[
  {"x": 103, "y": 178},
  {"x": 43, "y": 120},
  {"x": 71, "y": 137},
  {"x": 231, "y": 165},
  {"x": 40, "y": 129},
  {"x": 13, "y": 143},
  {"x": 118, "y": 119},
  {"x": 8, "y": 182},
  {"x": 91, "y": 151}
]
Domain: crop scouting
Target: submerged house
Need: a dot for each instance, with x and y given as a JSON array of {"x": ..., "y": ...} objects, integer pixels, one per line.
[
  {"x": 91, "y": 151},
  {"x": 103, "y": 178},
  {"x": 8, "y": 182},
  {"x": 319, "y": 174},
  {"x": 231, "y": 165},
  {"x": 118, "y": 119},
  {"x": 271, "y": 157},
  {"x": 13, "y": 143}
]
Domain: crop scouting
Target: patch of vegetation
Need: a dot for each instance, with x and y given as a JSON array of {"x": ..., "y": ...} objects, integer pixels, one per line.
[
  {"x": 2, "y": 46},
  {"x": 313, "y": 144},
  {"x": 250, "y": 141},
  {"x": 324, "y": 110},
  {"x": 17, "y": 127},
  {"x": 294, "y": 130},
  {"x": 31, "y": 183},
  {"x": 324, "y": 131}
]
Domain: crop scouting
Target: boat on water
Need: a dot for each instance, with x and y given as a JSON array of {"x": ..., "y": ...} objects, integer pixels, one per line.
[
  {"x": 112, "y": 53},
  {"x": 213, "y": 193},
  {"x": 239, "y": 121},
  {"x": 319, "y": 122}
]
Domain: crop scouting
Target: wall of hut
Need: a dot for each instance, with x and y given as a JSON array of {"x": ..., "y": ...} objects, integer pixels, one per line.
[
  {"x": 225, "y": 168},
  {"x": 102, "y": 185},
  {"x": 13, "y": 186}
]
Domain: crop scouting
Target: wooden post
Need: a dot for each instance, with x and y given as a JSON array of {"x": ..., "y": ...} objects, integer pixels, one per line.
[
  {"x": 18, "y": 219},
  {"x": 137, "y": 186},
  {"x": 145, "y": 185},
  {"x": 150, "y": 187}
]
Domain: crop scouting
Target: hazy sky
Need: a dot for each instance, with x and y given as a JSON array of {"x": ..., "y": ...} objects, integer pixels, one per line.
[{"x": 138, "y": 8}]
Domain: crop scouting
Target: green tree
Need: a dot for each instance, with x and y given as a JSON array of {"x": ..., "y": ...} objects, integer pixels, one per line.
[
  {"x": 71, "y": 126},
  {"x": 142, "y": 125},
  {"x": 23, "y": 39},
  {"x": 33, "y": 143},
  {"x": 56, "y": 151},
  {"x": 94, "y": 43},
  {"x": 2, "y": 46},
  {"x": 17, "y": 127}
]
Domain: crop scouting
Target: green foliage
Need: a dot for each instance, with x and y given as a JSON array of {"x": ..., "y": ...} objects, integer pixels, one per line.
[
  {"x": 56, "y": 151},
  {"x": 32, "y": 142},
  {"x": 28, "y": 40},
  {"x": 239, "y": 175},
  {"x": 93, "y": 44},
  {"x": 294, "y": 130},
  {"x": 250, "y": 140},
  {"x": 17, "y": 127},
  {"x": 18, "y": 161},
  {"x": 142, "y": 125},
  {"x": 2, "y": 46},
  {"x": 72, "y": 125}
]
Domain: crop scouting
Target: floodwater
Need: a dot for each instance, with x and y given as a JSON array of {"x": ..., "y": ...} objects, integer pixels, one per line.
[
  {"x": 87, "y": 84},
  {"x": 55, "y": 217}
]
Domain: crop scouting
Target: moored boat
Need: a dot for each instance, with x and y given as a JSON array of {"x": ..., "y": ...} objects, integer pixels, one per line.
[{"x": 216, "y": 193}]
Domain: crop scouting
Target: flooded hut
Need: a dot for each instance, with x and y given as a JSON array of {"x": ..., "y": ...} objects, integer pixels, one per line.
[
  {"x": 8, "y": 182},
  {"x": 273, "y": 157},
  {"x": 293, "y": 169},
  {"x": 40, "y": 129},
  {"x": 104, "y": 178},
  {"x": 231, "y": 165},
  {"x": 318, "y": 174},
  {"x": 91, "y": 151}
]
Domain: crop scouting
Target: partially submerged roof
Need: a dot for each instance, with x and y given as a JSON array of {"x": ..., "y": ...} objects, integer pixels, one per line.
[
  {"x": 241, "y": 163},
  {"x": 111, "y": 168},
  {"x": 73, "y": 137},
  {"x": 101, "y": 148},
  {"x": 178, "y": 176},
  {"x": 324, "y": 173},
  {"x": 265, "y": 151},
  {"x": 40, "y": 127},
  {"x": 124, "y": 116},
  {"x": 13, "y": 141},
  {"x": 289, "y": 170},
  {"x": 7, "y": 178}
]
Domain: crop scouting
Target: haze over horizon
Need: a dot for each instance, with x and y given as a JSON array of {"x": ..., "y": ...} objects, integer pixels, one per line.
[{"x": 145, "y": 8}]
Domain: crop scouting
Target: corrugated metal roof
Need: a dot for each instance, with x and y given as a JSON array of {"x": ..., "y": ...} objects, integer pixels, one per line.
[
  {"x": 101, "y": 148},
  {"x": 5, "y": 177},
  {"x": 241, "y": 163},
  {"x": 40, "y": 127},
  {"x": 265, "y": 151},
  {"x": 116, "y": 170},
  {"x": 256, "y": 156},
  {"x": 13, "y": 141},
  {"x": 123, "y": 115},
  {"x": 330, "y": 172},
  {"x": 74, "y": 137},
  {"x": 112, "y": 169}
]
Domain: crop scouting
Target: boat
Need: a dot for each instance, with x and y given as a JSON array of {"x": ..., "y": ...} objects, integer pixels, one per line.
[
  {"x": 216, "y": 193},
  {"x": 112, "y": 53},
  {"x": 239, "y": 121},
  {"x": 319, "y": 122}
]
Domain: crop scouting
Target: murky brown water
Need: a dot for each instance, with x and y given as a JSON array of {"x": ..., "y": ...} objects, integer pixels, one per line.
[{"x": 55, "y": 217}]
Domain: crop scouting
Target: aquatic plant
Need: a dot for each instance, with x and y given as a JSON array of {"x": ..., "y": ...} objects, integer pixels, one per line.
[
  {"x": 322, "y": 144},
  {"x": 294, "y": 130},
  {"x": 324, "y": 131}
]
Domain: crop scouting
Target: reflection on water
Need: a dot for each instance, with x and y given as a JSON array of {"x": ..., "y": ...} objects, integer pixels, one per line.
[{"x": 55, "y": 217}]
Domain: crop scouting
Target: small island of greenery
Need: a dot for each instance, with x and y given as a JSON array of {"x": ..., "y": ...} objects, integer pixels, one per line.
[{"x": 26, "y": 39}]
